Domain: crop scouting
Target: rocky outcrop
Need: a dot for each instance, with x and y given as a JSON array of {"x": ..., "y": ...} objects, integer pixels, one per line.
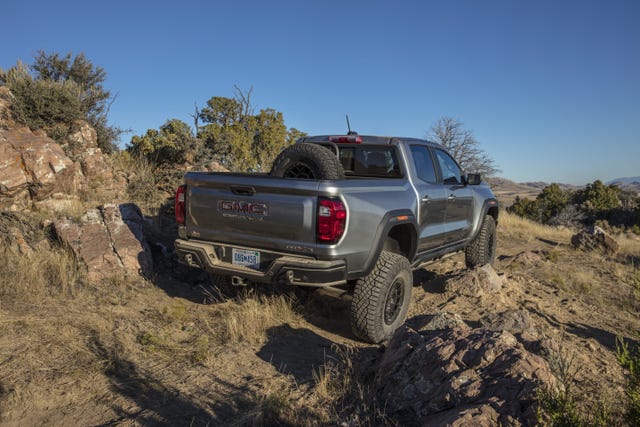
[
  {"x": 459, "y": 377},
  {"x": 109, "y": 240},
  {"x": 82, "y": 147},
  {"x": 595, "y": 239},
  {"x": 32, "y": 167}
]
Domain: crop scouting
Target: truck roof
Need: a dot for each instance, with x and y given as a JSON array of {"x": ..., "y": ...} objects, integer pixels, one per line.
[{"x": 366, "y": 139}]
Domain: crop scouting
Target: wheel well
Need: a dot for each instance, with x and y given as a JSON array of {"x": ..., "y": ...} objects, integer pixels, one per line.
[
  {"x": 493, "y": 211},
  {"x": 401, "y": 240}
]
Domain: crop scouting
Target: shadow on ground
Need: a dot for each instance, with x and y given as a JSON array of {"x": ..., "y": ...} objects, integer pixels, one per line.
[
  {"x": 141, "y": 398},
  {"x": 297, "y": 351}
]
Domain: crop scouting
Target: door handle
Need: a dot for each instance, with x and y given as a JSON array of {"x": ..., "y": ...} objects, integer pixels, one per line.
[
  {"x": 242, "y": 190},
  {"x": 451, "y": 197},
  {"x": 425, "y": 199}
]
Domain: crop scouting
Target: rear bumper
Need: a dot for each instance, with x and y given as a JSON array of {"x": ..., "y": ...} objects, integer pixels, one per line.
[{"x": 292, "y": 269}]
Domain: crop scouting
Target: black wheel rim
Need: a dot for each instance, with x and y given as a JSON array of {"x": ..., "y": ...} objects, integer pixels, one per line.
[
  {"x": 299, "y": 171},
  {"x": 393, "y": 304}
]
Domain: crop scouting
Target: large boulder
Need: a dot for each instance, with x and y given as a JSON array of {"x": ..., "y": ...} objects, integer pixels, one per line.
[
  {"x": 32, "y": 167},
  {"x": 479, "y": 282},
  {"x": 595, "y": 239},
  {"x": 109, "y": 240},
  {"x": 459, "y": 377}
]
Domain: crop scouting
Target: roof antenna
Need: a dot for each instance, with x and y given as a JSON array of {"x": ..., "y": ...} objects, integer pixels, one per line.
[{"x": 351, "y": 132}]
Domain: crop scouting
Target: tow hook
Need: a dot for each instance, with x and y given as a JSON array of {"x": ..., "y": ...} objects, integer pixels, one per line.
[
  {"x": 289, "y": 275},
  {"x": 238, "y": 281}
]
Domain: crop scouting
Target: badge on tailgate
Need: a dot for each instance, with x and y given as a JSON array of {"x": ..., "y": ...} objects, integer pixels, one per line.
[{"x": 243, "y": 210}]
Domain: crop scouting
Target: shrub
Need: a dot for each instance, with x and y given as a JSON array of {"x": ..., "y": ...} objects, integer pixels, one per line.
[
  {"x": 59, "y": 91},
  {"x": 630, "y": 359},
  {"x": 169, "y": 144}
]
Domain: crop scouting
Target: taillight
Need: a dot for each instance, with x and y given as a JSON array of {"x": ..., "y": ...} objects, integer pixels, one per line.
[
  {"x": 179, "y": 204},
  {"x": 346, "y": 139},
  {"x": 332, "y": 219}
]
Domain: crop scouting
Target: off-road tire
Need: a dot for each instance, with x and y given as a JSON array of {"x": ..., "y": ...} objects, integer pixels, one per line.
[
  {"x": 307, "y": 161},
  {"x": 377, "y": 309},
  {"x": 482, "y": 249}
]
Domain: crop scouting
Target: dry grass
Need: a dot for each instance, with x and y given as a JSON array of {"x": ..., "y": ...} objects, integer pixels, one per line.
[
  {"x": 249, "y": 319},
  {"x": 142, "y": 177},
  {"x": 629, "y": 246},
  {"x": 527, "y": 230}
]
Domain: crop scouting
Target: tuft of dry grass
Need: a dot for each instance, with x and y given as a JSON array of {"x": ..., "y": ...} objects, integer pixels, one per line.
[
  {"x": 143, "y": 181},
  {"x": 247, "y": 320},
  {"x": 527, "y": 230},
  {"x": 629, "y": 245},
  {"x": 37, "y": 275}
]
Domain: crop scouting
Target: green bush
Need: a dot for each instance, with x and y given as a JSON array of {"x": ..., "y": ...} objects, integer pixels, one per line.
[
  {"x": 630, "y": 359},
  {"x": 598, "y": 198},
  {"x": 58, "y": 91},
  {"x": 167, "y": 145}
]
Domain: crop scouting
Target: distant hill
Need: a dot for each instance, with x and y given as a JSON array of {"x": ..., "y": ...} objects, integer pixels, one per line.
[
  {"x": 631, "y": 183},
  {"x": 627, "y": 180},
  {"x": 507, "y": 190}
]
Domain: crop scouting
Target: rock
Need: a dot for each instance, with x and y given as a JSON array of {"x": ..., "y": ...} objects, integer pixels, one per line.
[
  {"x": 460, "y": 377},
  {"x": 109, "y": 240},
  {"x": 513, "y": 321},
  {"x": 528, "y": 258},
  {"x": 82, "y": 147},
  {"x": 595, "y": 239},
  {"x": 444, "y": 320},
  {"x": 477, "y": 282},
  {"x": 32, "y": 167}
]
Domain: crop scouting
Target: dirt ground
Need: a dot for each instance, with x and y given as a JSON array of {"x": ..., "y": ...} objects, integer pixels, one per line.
[{"x": 174, "y": 350}]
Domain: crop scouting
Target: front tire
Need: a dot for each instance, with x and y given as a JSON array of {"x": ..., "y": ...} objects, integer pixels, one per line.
[
  {"x": 482, "y": 249},
  {"x": 381, "y": 299}
]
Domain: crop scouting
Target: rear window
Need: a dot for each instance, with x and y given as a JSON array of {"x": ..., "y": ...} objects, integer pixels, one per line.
[{"x": 370, "y": 161}]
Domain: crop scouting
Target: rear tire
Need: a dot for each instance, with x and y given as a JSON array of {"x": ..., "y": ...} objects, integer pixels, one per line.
[
  {"x": 482, "y": 249},
  {"x": 381, "y": 299},
  {"x": 307, "y": 161}
]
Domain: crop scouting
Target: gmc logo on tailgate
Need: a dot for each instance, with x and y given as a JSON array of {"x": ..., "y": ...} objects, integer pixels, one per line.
[{"x": 238, "y": 207}]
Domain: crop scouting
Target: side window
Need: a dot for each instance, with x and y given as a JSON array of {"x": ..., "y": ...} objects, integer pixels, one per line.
[
  {"x": 424, "y": 163},
  {"x": 450, "y": 171}
]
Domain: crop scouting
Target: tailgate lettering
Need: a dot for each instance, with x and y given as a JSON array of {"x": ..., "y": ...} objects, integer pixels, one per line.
[{"x": 243, "y": 208}]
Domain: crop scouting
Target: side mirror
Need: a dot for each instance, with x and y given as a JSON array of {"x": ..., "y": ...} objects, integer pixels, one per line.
[{"x": 474, "y": 179}]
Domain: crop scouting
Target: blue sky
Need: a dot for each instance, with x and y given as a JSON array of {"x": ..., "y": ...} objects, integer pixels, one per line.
[{"x": 551, "y": 89}]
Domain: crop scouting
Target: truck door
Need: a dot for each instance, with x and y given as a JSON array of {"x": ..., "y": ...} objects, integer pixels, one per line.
[
  {"x": 432, "y": 200},
  {"x": 459, "y": 211}
]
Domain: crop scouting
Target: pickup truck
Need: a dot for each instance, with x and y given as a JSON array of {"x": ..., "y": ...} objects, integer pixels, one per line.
[{"x": 356, "y": 211}]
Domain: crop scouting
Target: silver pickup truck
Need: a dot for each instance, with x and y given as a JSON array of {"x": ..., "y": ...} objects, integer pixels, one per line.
[{"x": 358, "y": 211}]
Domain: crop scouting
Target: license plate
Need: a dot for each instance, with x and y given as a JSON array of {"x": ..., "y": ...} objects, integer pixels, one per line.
[{"x": 246, "y": 258}]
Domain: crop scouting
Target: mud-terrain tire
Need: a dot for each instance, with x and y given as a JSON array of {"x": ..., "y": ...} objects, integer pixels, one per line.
[
  {"x": 482, "y": 249},
  {"x": 307, "y": 161},
  {"x": 381, "y": 299}
]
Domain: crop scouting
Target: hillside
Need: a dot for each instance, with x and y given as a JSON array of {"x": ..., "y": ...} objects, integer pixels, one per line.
[
  {"x": 102, "y": 326},
  {"x": 175, "y": 350},
  {"x": 507, "y": 190},
  {"x": 628, "y": 184}
]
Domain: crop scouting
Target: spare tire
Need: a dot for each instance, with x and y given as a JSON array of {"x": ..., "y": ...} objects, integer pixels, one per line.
[{"x": 307, "y": 161}]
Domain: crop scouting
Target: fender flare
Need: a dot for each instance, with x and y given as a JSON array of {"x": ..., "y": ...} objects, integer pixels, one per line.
[
  {"x": 390, "y": 220},
  {"x": 491, "y": 203}
]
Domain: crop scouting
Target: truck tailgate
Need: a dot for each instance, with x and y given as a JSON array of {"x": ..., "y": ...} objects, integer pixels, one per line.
[{"x": 252, "y": 210}]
